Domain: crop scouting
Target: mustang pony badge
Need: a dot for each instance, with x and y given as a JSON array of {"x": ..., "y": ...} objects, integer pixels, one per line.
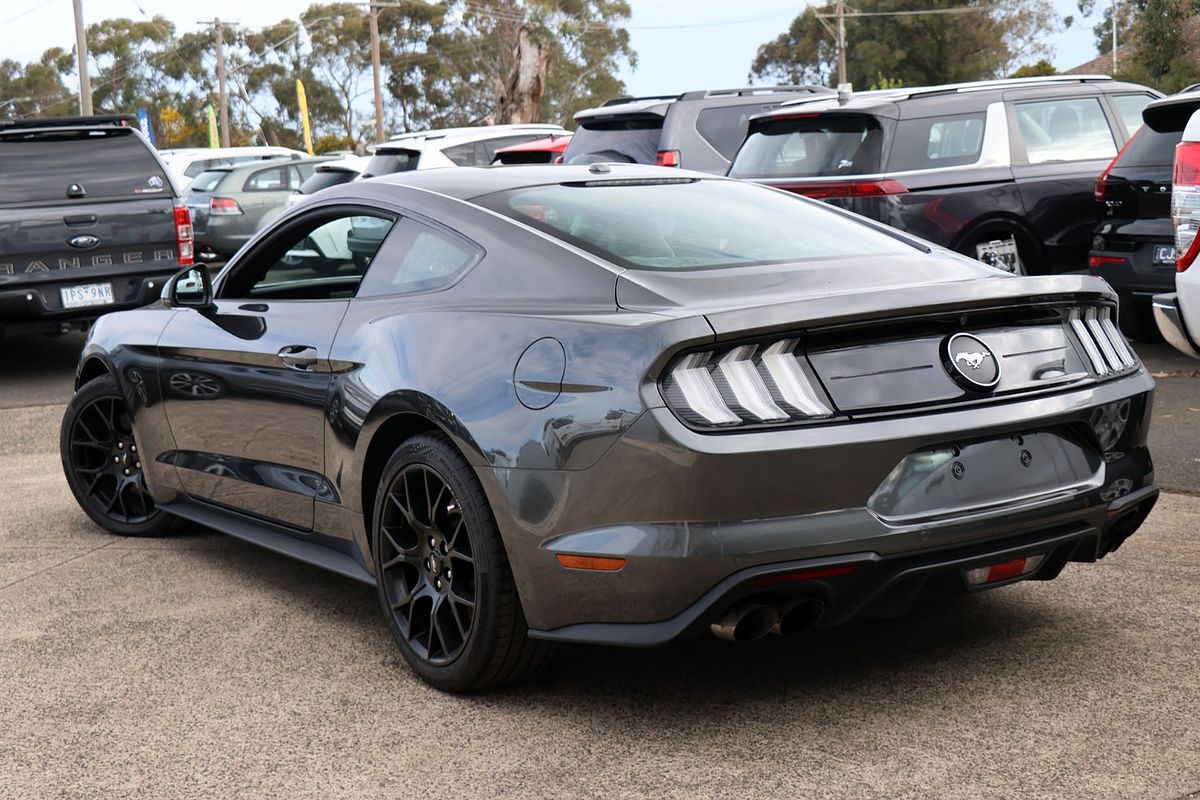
[{"x": 971, "y": 363}]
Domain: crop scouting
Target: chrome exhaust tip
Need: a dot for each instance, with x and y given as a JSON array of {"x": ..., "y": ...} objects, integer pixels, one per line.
[
  {"x": 746, "y": 623},
  {"x": 799, "y": 617}
]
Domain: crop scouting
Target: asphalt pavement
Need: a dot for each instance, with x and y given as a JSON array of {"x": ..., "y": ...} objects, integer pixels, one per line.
[{"x": 199, "y": 666}]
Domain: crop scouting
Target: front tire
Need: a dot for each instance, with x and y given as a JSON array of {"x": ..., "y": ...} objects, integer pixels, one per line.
[
  {"x": 444, "y": 581},
  {"x": 102, "y": 464}
]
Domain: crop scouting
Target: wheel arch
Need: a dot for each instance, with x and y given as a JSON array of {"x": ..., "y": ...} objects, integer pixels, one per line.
[{"x": 92, "y": 367}]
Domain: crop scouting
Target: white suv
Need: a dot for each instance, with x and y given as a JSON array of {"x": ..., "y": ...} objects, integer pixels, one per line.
[
  {"x": 451, "y": 147},
  {"x": 1178, "y": 313}
]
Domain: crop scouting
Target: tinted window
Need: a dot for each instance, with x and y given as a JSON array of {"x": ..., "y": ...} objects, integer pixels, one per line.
[
  {"x": 464, "y": 155},
  {"x": 107, "y": 164},
  {"x": 1149, "y": 148},
  {"x": 812, "y": 145},
  {"x": 323, "y": 179},
  {"x": 936, "y": 142},
  {"x": 677, "y": 224},
  {"x": 391, "y": 161},
  {"x": 1072, "y": 129},
  {"x": 725, "y": 128},
  {"x": 1129, "y": 107},
  {"x": 311, "y": 261},
  {"x": 633, "y": 141},
  {"x": 417, "y": 258},
  {"x": 208, "y": 181},
  {"x": 267, "y": 180},
  {"x": 196, "y": 167}
]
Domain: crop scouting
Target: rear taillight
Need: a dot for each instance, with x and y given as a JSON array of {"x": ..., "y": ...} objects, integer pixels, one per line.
[
  {"x": 1102, "y": 179},
  {"x": 224, "y": 206},
  {"x": 1095, "y": 262},
  {"x": 667, "y": 158},
  {"x": 744, "y": 385},
  {"x": 184, "y": 245},
  {"x": 825, "y": 190},
  {"x": 1185, "y": 204}
]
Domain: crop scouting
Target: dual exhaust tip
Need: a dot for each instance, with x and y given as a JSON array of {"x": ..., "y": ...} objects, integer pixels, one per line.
[{"x": 749, "y": 622}]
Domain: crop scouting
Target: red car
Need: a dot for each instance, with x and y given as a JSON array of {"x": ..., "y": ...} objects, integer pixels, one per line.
[{"x": 539, "y": 151}]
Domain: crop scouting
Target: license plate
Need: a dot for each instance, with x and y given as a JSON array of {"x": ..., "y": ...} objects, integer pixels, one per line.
[
  {"x": 89, "y": 294},
  {"x": 1164, "y": 254}
]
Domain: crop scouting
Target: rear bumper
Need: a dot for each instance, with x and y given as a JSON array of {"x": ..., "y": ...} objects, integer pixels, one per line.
[
  {"x": 1170, "y": 323},
  {"x": 692, "y": 513},
  {"x": 36, "y": 307},
  {"x": 1135, "y": 274},
  {"x": 866, "y": 584}
]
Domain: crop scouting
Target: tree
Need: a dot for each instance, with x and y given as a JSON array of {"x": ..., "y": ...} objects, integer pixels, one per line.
[
  {"x": 915, "y": 49},
  {"x": 36, "y": 88},
  {"x": 1164, "y": 36},
  {"x": 1042, "y": 67}
]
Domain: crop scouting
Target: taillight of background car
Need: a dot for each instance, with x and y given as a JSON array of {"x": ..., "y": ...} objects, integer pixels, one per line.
[
  {"x": 1102, "y": 178},
  {"x": 184, "y": 246},
  {"x": 1185, "y": 204},
  {"x": 857, "y": 188},
  {"x": 224, "y": 206}
]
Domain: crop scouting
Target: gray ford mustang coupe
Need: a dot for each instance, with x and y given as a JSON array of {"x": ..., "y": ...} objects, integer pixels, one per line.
[{"x": 616, "y": 404}]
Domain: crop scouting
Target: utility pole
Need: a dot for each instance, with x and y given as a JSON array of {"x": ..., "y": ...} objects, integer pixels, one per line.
[
  {"x": 841, "y": 41},
  {"x": 222, "y": 89},
  {"x": 81, "y": 62},
  {"x": 1114, "y": 32},
  {"x": 374, "y": 14}
]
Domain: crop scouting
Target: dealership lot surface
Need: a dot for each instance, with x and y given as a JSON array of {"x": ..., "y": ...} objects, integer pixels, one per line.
[{"x": 199, "y": 666}]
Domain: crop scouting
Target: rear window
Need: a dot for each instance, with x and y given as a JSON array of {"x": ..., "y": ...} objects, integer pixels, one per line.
[
  {"x": 681, "y": 223},
  {"x": 812, "y": 146},
  {"x": 481, "y": 153},
  {"x": 630, "y": 141},
  {"x": 391, "y": 161},
  {"x": 208, "y": 181},
  {"x": 936, "y": 142},
  {"x": 323, "y": 179},
  {"x": 111, "y": 164},
  {"x": 1149, "y": 148}
]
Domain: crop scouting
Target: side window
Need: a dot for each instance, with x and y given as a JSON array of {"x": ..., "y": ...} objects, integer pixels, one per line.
[
  {"x": 195, "y": 168},
  {"x": 417, "y": 258},
  {"x": 322, "y": 257},
  {"x": 461, "y": 154},
  {"x": 725, "y": 127},
  {"x": 267, "y": 180},
  {"x": 295, "y": 178},
  {"x": 1129, "y": 107},
  {"x": 1071, "y": 129},
  {"x": 492, "y": 145},
  {"x": 937, "y": 142}
]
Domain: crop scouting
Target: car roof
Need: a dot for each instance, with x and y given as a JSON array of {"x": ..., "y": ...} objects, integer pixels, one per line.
[
  {"x": 468, "y": 182},
  {"x": 267, "y": 163},
  {"x": 471, "y": 133},
  {"x": 220, "y": 152},
  {"x": 658, "y": 104},
  {"x": 556, "y": 143}
]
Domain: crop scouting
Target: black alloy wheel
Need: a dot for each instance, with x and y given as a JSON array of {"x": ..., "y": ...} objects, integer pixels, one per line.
[
  {"x": 103, "y": 465},
  {"x": 444, "y": 581},
  {"x": 428, "y": 571}
]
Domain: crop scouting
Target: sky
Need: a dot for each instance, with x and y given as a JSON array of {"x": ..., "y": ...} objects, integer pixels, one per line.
[{"x": 681, "y": 44}]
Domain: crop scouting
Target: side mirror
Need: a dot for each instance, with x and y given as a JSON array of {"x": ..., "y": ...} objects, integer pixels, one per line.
[{"x": 189, "y": 288}]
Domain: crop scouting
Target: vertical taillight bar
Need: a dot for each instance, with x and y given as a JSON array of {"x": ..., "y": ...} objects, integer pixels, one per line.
[
  {"x": 184, "y": 244},
  {"x": 1185, "y": 204}
]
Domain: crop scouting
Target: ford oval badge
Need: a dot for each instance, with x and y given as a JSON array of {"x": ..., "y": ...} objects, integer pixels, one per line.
[{"x": 84, "y": 242}]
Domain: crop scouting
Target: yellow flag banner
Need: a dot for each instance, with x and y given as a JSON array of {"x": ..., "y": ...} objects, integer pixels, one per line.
[
  {"x": 303, "y": 101},
  {"x": 212, "y": 126}
]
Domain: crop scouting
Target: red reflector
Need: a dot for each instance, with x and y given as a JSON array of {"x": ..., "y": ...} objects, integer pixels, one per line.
[
  {"x": 596, "y": 563},
  {"x": 667, "y": 158},
  {"x": 802, "y": 575},
  {"x": 1006, "y": 571},
  {"x": 1100, "y": 261},
  {"x": 820, "y": 191}
]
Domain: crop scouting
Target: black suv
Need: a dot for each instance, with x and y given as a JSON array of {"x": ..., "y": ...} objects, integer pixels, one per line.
[
  {"x": 1134, "y": 247},
  {"x": 696, "y": 130},
  {"x": 90, "y": 222},
  {"x": 1000, "y": 170}
]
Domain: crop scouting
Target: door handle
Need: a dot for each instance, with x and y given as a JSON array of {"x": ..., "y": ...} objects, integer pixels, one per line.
[{"x": 299, "y": 356}]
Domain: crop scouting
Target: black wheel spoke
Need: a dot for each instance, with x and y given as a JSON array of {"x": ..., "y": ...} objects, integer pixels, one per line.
[
  {"x": 425, "y": 558},
  {"x": 107, "y": 466}
]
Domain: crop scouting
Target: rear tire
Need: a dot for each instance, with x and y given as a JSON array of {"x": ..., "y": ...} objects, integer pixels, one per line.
[
  {"x": 1136, "y": 319},
  {"x": 443, "y": 577},
  {"x": 102, "y": 464}
]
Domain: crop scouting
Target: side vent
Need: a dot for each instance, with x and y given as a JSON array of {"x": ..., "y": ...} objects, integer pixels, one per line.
[{"x": 1105, "y": 347}]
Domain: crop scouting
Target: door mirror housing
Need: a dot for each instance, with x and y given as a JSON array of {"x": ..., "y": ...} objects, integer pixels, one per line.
[{"x": 189, "y": 288}]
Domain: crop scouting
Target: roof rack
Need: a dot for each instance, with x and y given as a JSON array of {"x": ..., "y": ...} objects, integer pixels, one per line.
[
  {"x": 744, "y": 91},
  {"x": 96, "y": 121},
  {"x": 616, "y": 101},
  {"x": 902, "y": 93}
]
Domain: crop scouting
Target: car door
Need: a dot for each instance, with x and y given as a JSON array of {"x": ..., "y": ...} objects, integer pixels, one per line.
[
  {"x": 246, "y": 382},
  {"x": 1060, "y": 145},
  {"x": 265, "y": 192}
]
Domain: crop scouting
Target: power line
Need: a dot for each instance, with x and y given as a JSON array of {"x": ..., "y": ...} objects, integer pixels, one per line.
[
  {"x": 29, "y": 10},
  {"x": 956, "y": 10}
]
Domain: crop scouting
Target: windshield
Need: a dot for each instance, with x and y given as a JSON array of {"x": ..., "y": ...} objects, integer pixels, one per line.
[
  {"x": 208, "y": 181},
  {"x": 624, "y": 141},
  {"x": 681, "y": 223},
  {"x": 324, "y": 178},
  {"x": 810, "y": 146}
]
